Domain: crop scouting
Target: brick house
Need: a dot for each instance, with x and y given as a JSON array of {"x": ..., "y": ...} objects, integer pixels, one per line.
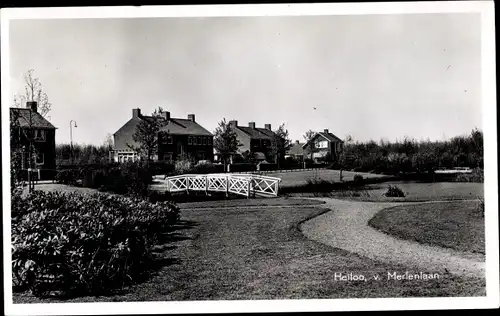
[
  {"x": 33, "y": 128},
  {"x": 255, "y": 141},
  {"x": 327, "y": 147},
  {"x": 296, "y": 151},
  {"x": 177, "y": 137}
]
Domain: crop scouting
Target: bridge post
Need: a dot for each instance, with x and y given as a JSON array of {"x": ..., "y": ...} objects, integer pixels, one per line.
[
  {"x": 187, "y": 185},
  {"x": 249, "y": 186},
  {"x": 227, "y": 185},
  {"x": 206, "y": 184}
]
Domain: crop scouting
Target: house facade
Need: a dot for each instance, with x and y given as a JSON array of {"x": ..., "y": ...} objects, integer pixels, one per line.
[
  {"x": 323, "y": 146},
  {"x": 32, "y": 129},
  {"x": 255, "y": 141},
  {"x": 177, "y": 138}
]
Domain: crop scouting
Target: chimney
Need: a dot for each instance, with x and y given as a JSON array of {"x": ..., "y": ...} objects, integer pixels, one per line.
[
  {"x": 136, "y": 113},
  {"x": 326, "y": 131},
  {"x": 297, "y": 142},
  {"x": 251, "y": 124},
  {"x": 233, "y": 123},
  {"x": 32, "y": 105},
  {"x": 191, "y": 117},
  {"x": 165, "y": 115},
  {"x": 267, "y": 126}
]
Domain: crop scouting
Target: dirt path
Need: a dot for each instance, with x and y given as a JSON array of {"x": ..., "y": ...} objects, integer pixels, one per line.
[{"x": 346, "y": 227}]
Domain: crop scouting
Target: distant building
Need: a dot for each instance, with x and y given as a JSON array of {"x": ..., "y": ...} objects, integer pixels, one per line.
[
  {"x": 35, "y": 129},
  {"x": 296, "y": 151},
  {"x": 255, "y": 141},
  {"x": 327, "y": 146},
  {"x": 177, "y": 137}
]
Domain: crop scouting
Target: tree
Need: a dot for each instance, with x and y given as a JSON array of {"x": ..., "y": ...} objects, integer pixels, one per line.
[
  {"x": 33, "y": 92},
  {"x": 15, "y": 150},
  {"x": 308, "y": 137},
  {"x": 225, "y": 141},
  {"x": 146, "y": 134},
  {"x": 280, "y": 143},
  {"x": 108, "y": 144}
]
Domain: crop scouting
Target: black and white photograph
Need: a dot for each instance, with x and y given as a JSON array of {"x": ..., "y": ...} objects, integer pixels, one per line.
[{"x": 249, "y": 158}]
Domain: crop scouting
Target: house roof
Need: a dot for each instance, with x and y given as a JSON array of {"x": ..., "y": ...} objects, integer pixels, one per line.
[
  {"x": 179, "y": 126},
  {"x": 185, "y": 127},
  {"x": 256, "y": 133},
  {"x": 37, "y": 120},
  {"x": 328, "y": 136},
  {"x": 296, "y": 149},
  {"x": 331, "y": 137}
]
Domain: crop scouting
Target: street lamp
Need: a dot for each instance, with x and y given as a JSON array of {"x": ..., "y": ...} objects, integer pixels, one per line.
[{"x": 71, "y": 124}]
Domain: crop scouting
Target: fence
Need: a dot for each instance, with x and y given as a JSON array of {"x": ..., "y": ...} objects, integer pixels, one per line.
[{"x": 241, "y": 184}]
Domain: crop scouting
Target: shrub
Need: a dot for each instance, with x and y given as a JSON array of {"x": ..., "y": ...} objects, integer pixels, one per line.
[
  {"x": 161, "y": 168},
  {"x": 206, "y": 168},
  {"x": 68, "y": 176},
  {"x": 394, "y": 191},
  {"x": 358, "y": 179},
  {"x": 477, "y": 176},
  {"x": 183, "y": 165},
  {"x": 83, "y": 244},
  {"x": 268, "y": 166},
  {"x": 242, "y": 167}
]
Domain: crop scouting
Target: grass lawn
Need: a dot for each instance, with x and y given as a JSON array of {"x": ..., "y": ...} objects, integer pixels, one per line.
[
  {"x": 296, "y": 178},
  {"x": 456, "y": 225},
  {"x": 260, "y": 253},
  {"x": 414, "y": 192}
]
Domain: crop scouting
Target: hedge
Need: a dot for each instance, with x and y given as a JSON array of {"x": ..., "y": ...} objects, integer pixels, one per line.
[
  {"x": 83, "y": 244},
  {"x": 242, "y": 167}
]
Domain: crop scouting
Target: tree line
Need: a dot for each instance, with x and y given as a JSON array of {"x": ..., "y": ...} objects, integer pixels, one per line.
[{"x": 411, "y": 155}]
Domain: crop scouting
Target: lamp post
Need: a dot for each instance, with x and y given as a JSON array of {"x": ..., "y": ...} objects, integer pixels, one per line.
[{"x": 71, "y": 124}]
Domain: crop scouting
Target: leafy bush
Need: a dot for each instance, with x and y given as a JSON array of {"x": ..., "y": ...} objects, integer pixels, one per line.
[
  {"x": 83, "y": 244},
  {"x": 477, "y": 176},
  {"x": 161, "y": 168},
  {"x": 206, "y": 168},
  {"x": 358, "y": 179},
  {"x": 394, "y": 191},
  {"x": 183, "y": 165},
  {"x": 68, "y": 176}
]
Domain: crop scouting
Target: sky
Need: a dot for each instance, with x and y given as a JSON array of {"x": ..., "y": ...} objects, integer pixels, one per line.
[{"x": 368, "y": 76}]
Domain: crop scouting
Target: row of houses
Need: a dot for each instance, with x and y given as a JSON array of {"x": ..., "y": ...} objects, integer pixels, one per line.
[
  {"x": 178, "y": 137},
  {"x": 185, "y": 136}
]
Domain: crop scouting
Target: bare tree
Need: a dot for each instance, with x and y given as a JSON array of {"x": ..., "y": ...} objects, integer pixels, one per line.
[{"x": 33, "y": 91}]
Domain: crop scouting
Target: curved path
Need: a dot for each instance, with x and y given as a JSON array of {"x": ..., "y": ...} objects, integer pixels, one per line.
[{"x": 346, "y": 227}]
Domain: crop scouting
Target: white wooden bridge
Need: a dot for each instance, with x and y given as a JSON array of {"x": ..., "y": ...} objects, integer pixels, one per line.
[{"x": 242, "y": 184}]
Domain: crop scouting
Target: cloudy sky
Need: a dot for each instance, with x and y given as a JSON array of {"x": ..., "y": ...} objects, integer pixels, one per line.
[{"x": 370, "y": 76}]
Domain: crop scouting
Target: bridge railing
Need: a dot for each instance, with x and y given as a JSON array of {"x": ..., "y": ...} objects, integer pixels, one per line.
[{"x": 241, "y": 184}]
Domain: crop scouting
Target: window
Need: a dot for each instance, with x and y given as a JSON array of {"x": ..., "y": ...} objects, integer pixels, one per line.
[
  {"x": 204, "y": 140},
  {"x": 322, "y": 144},
  {"x": 199, "y": 140},
  {"x": 170, "y": 139},
  {"x": 190, "y": 140},
  {"x": 39, "y": 159},
  {"x": 39, "y": 135}
]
